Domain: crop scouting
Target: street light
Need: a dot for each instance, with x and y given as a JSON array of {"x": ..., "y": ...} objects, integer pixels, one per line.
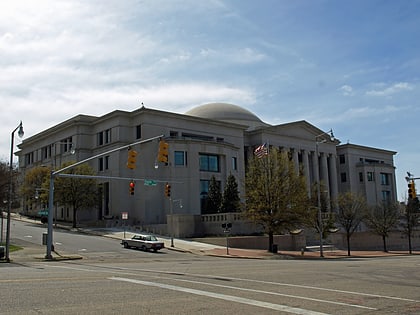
[
  {"x": 9, "y": 206},
  {"x": 318, "y": 140}
]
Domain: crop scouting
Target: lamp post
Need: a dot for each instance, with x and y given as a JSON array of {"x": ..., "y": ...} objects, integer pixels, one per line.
[
  {"x": 1, "y": 237},
  {"x": 50, "y": 246},
  {"x": 318, "y": 140},
  {"x": 9, "y": 206},
  {"x": 172, "y": 201}
]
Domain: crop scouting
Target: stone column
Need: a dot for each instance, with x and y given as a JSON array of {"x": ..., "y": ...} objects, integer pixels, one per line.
[
  {"x": 296, "y": 159},
  {"x": 315, "y": 166},
  {"x": 324, "y": 171},
  {"x": 333, "y": 177},
  {"x": 305, "y": 160}
]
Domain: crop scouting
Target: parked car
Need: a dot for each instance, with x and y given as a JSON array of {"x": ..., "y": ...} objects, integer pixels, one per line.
[{"x": 144, "y": 242}]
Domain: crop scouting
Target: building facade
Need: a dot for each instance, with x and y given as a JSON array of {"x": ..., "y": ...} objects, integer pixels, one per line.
[{"x": 214, "y": 139}]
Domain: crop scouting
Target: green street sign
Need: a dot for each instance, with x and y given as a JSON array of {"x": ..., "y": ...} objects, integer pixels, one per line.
[{"x": 149, "y": 182}]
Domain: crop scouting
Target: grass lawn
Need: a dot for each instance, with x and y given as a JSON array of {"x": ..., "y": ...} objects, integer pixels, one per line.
[{"x": 12, "y": 247}]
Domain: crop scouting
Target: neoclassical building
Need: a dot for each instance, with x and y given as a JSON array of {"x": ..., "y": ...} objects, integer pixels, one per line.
[{"x": 214, "y": 139}]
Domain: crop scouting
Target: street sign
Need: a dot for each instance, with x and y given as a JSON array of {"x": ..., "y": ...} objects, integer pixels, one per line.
[
  {"x": 124, "y": 215},
  {"x": 149, "y": 182}
]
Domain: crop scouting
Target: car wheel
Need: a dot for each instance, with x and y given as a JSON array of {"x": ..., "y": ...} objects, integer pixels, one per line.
[
  {"x": 144, "y": 248},
  {"x": 126, "y": 245}
]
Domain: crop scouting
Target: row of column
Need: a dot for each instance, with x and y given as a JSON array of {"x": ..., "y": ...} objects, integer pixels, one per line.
[{"x": 322, "y": 168}]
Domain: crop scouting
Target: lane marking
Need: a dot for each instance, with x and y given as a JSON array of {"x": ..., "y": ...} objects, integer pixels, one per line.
[
  {"x": 130, "y": 273},
  {"x": 230, "y": 298},
  {"x": 272, "y": 293}
]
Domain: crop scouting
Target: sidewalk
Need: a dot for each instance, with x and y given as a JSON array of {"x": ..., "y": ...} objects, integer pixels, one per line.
[{"x": 221, "y": 251}]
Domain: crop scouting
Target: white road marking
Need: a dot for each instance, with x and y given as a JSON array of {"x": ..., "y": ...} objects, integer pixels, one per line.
[
  {"x": 28, "y": 236},
  {"x": 275, "y": 293},
  {"x": 230, "y": 298},
  {"x": 129, "y": 272}
]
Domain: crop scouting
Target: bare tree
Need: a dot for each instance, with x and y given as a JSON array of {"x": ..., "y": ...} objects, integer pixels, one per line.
[
  {"x": 76, "y": 192},
  {"x": 322, "y": 223},
  {"x": 351, "y": 210},
  {"x": 34, "y": 185},
  {"x": 276, "y": 195},
  {"x": 4, "y": 181},
  {"x": 382, "y": 218}
]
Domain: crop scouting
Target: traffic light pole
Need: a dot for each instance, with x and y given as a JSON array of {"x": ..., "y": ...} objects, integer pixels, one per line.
[{"x": 56, "y": 173}]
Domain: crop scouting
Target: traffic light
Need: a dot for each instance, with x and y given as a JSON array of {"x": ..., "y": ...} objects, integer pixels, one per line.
[
  {"x": 163, "y": 152},
  {"x": 131, "y": 187},
  {"x": 167, "y": 190},
  {"x": 131, "y": 161},
  {"x": 412, "y": 190}
]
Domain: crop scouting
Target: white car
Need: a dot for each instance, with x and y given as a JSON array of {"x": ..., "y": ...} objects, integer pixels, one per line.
[{"x": 144, "y": 242}]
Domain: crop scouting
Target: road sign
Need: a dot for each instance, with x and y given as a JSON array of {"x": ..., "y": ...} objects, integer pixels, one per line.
[
  {"x": 124, "y": 215},
  {"x": 149, "y": 182}
]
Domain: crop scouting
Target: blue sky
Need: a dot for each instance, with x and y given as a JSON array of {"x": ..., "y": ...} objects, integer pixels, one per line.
[{"x": 353, "y": 66}]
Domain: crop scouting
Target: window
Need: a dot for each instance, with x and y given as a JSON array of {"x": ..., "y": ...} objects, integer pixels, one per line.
[
  {"x": 104, "y": 137},
  {"x": 66, "y": 145},
  {"x": 100, "y": 138},
  {"x": 361, "y": 177},
  {"x": 106, "y": 162},
  {"x": 370, "y": 176},
  {"x": 29, "y": 158},
  {"x": 343, "y": 177},
  {"x": 234, "y": 163},
  {"x": 100, "y": 164},
  {"x": 180, "y": 158},
  {"x": 342, "y": 159},
  {"x": 204, "y": 191},
  {"x": 103, "y": 163},
  {"x": 386, "y": 195},
  {"x": 138, "y": 131},
  {"x": 204, "y": 187},
  {"x": 107, "y": 136},
  {"x": 385, "y": 178},
  {"x": 209, "y": 163},
  {"x": 46, "y": 152}
]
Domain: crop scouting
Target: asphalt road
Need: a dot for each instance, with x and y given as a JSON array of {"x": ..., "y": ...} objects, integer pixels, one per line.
[
  {"x": 135, "y": 282},
  {"x": 28, "y": 234}
]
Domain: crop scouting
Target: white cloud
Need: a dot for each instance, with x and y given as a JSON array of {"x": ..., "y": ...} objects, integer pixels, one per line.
[
  {"x": 390, "y": 90},
  {"x": 347, "y": 90}
]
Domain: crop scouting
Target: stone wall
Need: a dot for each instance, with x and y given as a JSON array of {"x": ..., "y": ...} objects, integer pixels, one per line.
[{"x": 370, "y": 241}]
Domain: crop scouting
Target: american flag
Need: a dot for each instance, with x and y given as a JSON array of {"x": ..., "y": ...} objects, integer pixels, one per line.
[{"x": 261, "y": 150}]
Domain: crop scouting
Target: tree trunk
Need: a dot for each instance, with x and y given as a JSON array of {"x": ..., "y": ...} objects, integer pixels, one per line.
[
  {"x": 384, "y": 241},
  {"x": 348, "y": 244},
  {"x": 409, "y": 243},
  {"x": 74, "y": 217},
  {"x": 270, "y": 241}
]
